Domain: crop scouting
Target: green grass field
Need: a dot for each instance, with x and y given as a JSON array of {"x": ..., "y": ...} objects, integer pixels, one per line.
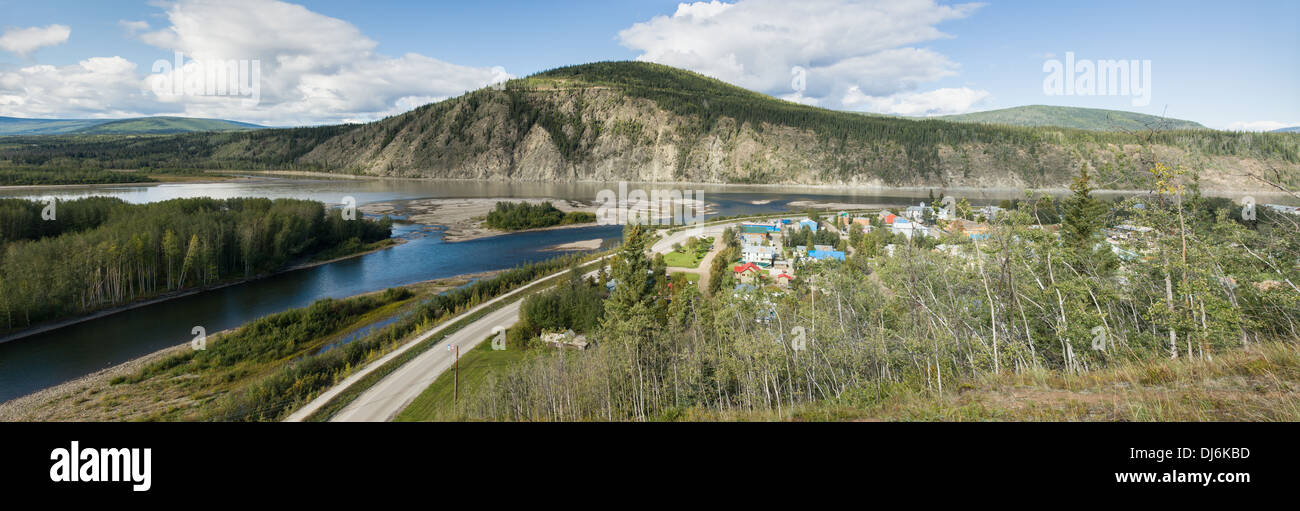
[
  {"x": 435, "y": 403},
  {"x": 683, "y": 259}
]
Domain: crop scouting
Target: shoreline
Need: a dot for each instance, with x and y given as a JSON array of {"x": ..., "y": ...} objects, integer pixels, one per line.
[
  {"x": 57, "y": 324},
  {"x": 12, "y": 410},
  {"x": 794, "y": 187},
  {"x": 845, "y": 189},
  {"x": 158, "y": 180},
  {"x": 462, "y": 219}
]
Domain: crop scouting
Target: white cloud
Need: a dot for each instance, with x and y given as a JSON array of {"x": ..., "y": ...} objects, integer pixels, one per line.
[
  {"x": 133, "y": 27},
  {"x": 1260, "y": 125},
  {"x": 935, "y": 102},
  {"x": 95, "y": 87},
  {"x": 314, "y": 69},
  {"x": 852, "y": 50},
  {"x": 24, "y": 41}
]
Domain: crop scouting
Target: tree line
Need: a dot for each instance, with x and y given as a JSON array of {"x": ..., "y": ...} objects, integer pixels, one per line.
[
  {"x": 102, "y": 252},
  {"x": 514, "y": 216}
]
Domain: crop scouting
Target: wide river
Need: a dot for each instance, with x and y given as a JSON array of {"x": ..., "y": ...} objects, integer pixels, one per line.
[{"x": 52, "y": 357}]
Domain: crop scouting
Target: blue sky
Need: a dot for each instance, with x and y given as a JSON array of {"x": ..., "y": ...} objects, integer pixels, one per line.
[{"x": 1226, "y": 65}]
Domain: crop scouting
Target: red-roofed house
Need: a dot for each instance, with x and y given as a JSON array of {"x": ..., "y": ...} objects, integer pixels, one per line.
[{"x": 747, "y": 272}]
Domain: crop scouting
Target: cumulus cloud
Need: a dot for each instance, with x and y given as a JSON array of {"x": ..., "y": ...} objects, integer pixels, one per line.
[
  {"x": 24, "y": 41},
  {"x": 313, "y": 69},
  {"x": 1260, "y": 125},
  {"x": 95, "y": 87},
  {"x": 854, "y": 54},
  {"x": 935, "y": 102}
]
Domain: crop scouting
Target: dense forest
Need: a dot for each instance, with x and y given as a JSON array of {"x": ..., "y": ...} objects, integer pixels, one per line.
[
  {"x": 1205, "y": 283},
  {"x": 98, "y": 252},
  {"x": 514, "y": 216},
  {"x": 30, "y": 175}
]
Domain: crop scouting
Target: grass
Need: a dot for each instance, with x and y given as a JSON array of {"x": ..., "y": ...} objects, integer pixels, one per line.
[
  {"x": 354, "y": 390},
  {"x": 476, "y": 367},
  {"x": 683, "y": 260},
  {"x": 169, "y": 387},
  {"x": 1257, "y": 383}
]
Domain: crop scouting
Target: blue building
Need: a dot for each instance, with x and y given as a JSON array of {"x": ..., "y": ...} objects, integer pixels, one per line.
[
  {"x": 810, "y": 224},
  {"x": 748, "y": 228},
  {"x": 822, "y": 255}
]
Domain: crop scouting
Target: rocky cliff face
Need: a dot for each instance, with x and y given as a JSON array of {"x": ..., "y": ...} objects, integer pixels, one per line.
[{"x": 570, "y": 130}]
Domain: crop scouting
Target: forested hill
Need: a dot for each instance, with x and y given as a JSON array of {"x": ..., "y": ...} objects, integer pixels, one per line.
[
  {"x": 1073, "y": 117},
  {"x": 133, "y": 126},
  {"x": 647, "y": 122}
]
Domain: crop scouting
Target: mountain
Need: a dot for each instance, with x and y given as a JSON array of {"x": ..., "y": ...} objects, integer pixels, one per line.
[
  {"x": 135, "y": 126},
  {"x": 1293, "y": 129},
  {"x": 1071, "y": 117},
  {"x": 638, "y": 121}
]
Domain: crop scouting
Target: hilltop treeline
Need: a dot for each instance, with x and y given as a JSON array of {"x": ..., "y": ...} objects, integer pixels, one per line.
[{"x": 100, "y": 252}]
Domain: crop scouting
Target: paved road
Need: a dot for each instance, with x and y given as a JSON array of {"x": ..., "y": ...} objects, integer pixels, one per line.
[
  {"x": 391, "y": 395},
  {"x": 385, "y": 399},
  {"x": 316, "y": 404}
]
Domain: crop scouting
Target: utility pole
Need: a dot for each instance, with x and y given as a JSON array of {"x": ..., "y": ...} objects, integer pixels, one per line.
[{"x": 455, "y": 385}]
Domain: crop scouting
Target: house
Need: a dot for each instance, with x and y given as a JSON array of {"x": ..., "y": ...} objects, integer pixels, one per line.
[
  {"x": 975, "y": 230},
  {"x": 990, "y": 212},
  {"x": 747, "y": 272},
  {"x": 1283, "y": 209},
  {"x": 915, "y": 213},
  {"x": 1129, "y": 231},
  {"x": 809, "y": 223},
  {"x": 822, "y": 255},
  {"x": 758, "y": 228},
  {"x": 784, "y": 279},
  {"x": 909, "y": 229},
  {"x": 758, "y": 254},
  {"x": 566, "y": 339},
  {"x": 752, "y": 238}
]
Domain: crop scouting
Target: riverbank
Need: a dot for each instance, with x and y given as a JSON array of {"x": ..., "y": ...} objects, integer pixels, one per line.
[
  {"x": 1245, "y": 186},
  {"x": 158, "y": 179},
  {"x": 109, "y": 395},
  {"x": 55, "y": 325},
  {"x": 462, "y": 219}
]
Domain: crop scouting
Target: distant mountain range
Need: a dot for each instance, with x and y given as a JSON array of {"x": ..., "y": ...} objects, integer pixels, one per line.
[
  {"x": 644, "y": 122},
  {"x": 1070, "y": 117},
  {"x": 1293, "y": 129},
  {"x": 134, "y": 126}
]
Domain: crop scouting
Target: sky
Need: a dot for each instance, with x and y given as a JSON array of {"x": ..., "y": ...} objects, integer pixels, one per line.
[{"x": 1227, "y": 65}]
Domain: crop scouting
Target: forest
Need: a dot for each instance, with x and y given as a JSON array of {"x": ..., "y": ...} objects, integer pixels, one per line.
[
  {"x": 515, "y": 216},
  {"x": 1210, "y": 295},
  {"x": 75, "y": 257},
  {"x": 31, "y": 175}
]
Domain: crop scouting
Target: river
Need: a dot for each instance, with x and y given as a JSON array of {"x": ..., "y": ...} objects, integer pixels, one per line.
[{"x": 49, "y": 358}]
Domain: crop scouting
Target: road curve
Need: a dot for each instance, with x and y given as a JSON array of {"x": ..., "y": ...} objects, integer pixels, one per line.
[{"x": 388, "y": 397}]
